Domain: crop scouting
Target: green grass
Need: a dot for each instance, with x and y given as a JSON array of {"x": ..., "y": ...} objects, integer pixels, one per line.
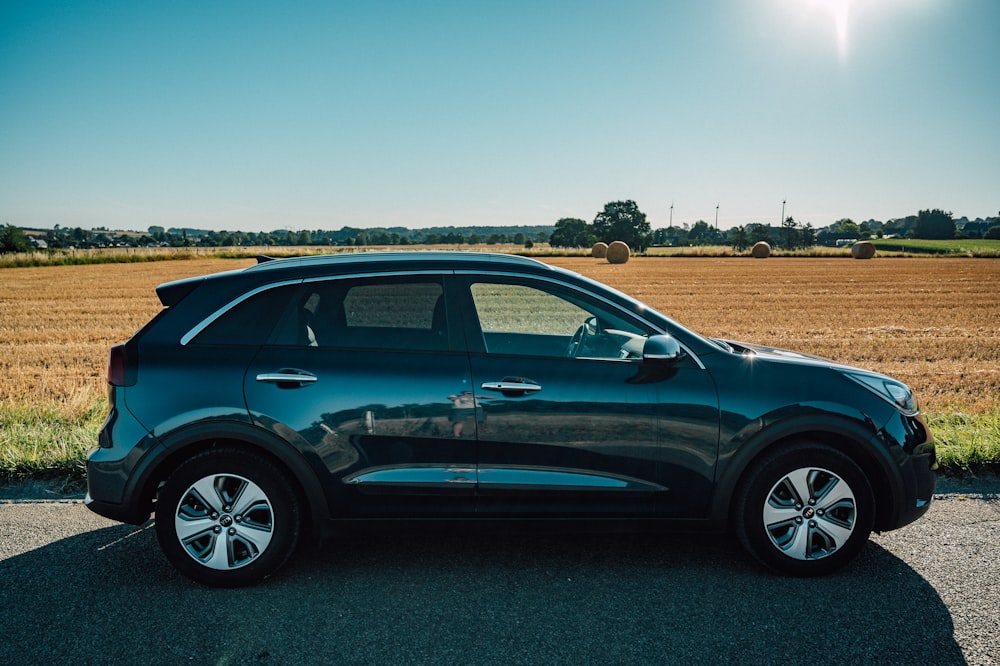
[
  {"x": 48, "y": 442},
  {"x": 51, "y": 442},
  {"x": 966, "y": 442},
  {"x": 963, "y": 247}
]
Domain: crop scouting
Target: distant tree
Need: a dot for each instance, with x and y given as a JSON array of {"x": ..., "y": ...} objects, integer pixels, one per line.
[
  {"x": 807, "y": 236},
  {"x": 934, "y": 224},
  {"x": 790, "y": 233},
  {"x": 739, "y": 239},
  {"x": 13, "y": 239},
  {"x": 847, "y": 228},
  {"x": 759, "y": 232},
  {"x": 993, "y": 233},
  {"x": 622, "y": 220},
  {"x": 700, "y": 233},
  {"x": 572, "y": 232}
]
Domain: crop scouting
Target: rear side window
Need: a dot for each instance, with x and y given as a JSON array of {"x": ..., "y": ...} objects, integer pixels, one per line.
[
  {"x": 406, "y": 314},
  {"x": 250, "y": 322}
]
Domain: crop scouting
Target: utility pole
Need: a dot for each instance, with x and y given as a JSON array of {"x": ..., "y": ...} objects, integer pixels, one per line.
[
  {"x": 716, "y": 217},
  {"x": 671, "y": 214},
  {"x": 781, "y": 222}
]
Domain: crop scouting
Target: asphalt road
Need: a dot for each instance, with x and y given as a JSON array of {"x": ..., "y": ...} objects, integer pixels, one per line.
[{"x": 75, "y": 588}]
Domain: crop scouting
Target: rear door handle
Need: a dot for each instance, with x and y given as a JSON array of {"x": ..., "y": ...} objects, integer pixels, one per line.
[{"x": 287, "y": 378}]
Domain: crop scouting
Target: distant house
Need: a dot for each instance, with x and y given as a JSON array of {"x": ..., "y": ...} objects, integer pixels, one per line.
[{"x": 38, "y": 243}]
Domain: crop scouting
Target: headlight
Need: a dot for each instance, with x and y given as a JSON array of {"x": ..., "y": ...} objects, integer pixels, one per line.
[{"x": 897, "y": 393}]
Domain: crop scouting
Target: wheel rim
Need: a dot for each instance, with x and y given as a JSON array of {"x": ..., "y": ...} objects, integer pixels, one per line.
[
  {"x": 810, "y": 513},
  {"x": 224, "y": 521}
]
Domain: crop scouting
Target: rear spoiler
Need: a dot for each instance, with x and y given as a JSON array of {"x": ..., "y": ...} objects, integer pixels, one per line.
[{"x": 172, "y": 293}]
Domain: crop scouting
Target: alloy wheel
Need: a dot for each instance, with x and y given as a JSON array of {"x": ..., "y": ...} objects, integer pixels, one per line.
[
  {"x": 224, "y": 521},
  {"x": 810, "y": 513}
]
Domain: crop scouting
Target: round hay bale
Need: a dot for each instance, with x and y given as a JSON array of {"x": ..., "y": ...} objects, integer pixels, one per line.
[
  {"x": 863, "y": 250},
  {"x": 761, "y": 250},
  {"x": 618, "y": 252},
  {"x": 599, "y": 251}
]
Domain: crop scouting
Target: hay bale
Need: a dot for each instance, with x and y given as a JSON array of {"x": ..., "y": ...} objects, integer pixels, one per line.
[
  {"x": 761, "y": 250},
  {"x": 863, "y": 250},
  {"x": 600, "y": 250},
  {"x": 618, "y": 253}
]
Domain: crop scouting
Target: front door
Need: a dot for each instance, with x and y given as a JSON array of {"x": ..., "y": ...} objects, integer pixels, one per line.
[{"x": 572, "y": 422}]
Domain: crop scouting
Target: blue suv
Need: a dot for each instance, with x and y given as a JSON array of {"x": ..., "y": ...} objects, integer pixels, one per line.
[{"x": 310, "y": 395}]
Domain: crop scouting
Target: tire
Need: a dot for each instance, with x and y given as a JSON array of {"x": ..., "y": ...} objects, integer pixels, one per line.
[
  {"x": 806, "y": 510},
  {"x": 227, "y": 518}
]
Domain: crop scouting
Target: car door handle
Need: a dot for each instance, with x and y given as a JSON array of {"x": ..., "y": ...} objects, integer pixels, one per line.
[
  {"x": 512, "y": 386},
  {"x": 287, "y": 378}
]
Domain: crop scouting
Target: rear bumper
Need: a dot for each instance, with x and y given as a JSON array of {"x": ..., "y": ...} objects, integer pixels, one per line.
[
  {"x": 112, "y": 488},
  {"x": 121, "y": 512}
]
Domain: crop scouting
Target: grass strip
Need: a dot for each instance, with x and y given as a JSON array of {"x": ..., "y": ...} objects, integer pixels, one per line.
[{"x": 48, "y": 441}]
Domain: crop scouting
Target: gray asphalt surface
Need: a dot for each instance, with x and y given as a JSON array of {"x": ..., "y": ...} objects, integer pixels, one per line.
[{"x": 76, "y": 588}]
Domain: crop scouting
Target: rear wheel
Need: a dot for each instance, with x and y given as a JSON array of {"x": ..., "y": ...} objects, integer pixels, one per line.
[
  {"x": 805, "y": 510},
  {"x": 227, "y": 518}
]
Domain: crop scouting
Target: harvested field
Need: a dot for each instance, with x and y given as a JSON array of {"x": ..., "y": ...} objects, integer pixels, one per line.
[
  {"x": 933, "y": 323},
  {"x": 58, "y": 322}
]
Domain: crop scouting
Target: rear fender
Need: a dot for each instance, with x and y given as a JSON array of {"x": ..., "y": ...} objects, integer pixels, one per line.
[{"x": 182, "y": 443}]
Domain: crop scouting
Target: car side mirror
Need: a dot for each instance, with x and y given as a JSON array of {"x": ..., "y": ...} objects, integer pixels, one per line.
[{"x": 662, "y": 349}]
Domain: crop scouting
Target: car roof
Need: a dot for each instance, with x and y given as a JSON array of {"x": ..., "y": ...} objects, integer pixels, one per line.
[
  {"x": 272, "y": 270},
  {"x": 364, "y": 260}
]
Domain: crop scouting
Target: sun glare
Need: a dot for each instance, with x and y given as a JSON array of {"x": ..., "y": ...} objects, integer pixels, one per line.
[{"x": 839, "y": 9}]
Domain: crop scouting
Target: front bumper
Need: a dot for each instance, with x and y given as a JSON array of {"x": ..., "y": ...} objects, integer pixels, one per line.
[{"x": 913, "y": 446}]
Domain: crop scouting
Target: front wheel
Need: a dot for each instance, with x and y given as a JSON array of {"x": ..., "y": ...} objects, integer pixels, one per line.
[
  {"x": 227, "y": 518},
  {"x": 805, "y": 510}
]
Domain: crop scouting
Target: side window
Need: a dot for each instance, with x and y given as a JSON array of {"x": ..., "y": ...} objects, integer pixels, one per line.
[
  {"x": 249, "y": 323},
  {"x": 377, "y": 313},
  {"x": 515, "y": 308},
  {"x": 546, "y": 320}
]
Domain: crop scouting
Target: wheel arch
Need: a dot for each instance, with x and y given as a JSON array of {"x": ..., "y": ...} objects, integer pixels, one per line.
[
  {"x": 858, "y": 440},
  {"x": 182, "y": 444}
]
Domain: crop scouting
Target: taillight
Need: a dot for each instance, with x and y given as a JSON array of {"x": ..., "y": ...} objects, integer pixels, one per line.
[{"x": 118, "y": 366}]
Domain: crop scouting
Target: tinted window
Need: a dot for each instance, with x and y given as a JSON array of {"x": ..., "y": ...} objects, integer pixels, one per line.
[
  {"x": 377, "y": 313},
  {"x": 249, "y": 322}
]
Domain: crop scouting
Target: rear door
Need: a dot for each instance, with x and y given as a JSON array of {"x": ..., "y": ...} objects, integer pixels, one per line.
[
  {"x": 363, "y": 375},
  {"x": 571, "y": 422}
]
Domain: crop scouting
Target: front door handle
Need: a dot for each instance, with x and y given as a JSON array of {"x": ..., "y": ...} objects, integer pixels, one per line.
[
  {"x": 510, "y": 386},
  {"x": 287, "y": 378}
]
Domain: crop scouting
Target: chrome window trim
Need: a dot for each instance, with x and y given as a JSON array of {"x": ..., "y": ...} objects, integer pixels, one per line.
[{"x": 210, "y": 319}]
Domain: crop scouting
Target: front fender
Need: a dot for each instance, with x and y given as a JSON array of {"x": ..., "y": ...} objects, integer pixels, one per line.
[{"x": 849, "y": 431}]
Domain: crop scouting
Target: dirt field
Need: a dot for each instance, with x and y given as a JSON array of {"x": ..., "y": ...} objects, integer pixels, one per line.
[{"x": 933, "y": 323}]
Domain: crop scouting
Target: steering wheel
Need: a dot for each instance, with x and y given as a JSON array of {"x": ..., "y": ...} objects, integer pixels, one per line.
[{"x": 589, "y": 328}]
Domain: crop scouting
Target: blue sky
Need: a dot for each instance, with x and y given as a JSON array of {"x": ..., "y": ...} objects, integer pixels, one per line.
[{"x": 302, "y": 115}]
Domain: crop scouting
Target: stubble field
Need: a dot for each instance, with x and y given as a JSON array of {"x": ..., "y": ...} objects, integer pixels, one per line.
[{"x": 933, "y": 323}]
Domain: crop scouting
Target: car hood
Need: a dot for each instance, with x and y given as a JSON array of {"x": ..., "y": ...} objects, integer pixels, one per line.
[{"x": 786, "y": 355}]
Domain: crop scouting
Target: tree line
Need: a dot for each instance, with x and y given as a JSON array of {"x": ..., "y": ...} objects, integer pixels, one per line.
[
  {"x": 624, "y": 221},
  {"x": 617, "y": 220}
]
